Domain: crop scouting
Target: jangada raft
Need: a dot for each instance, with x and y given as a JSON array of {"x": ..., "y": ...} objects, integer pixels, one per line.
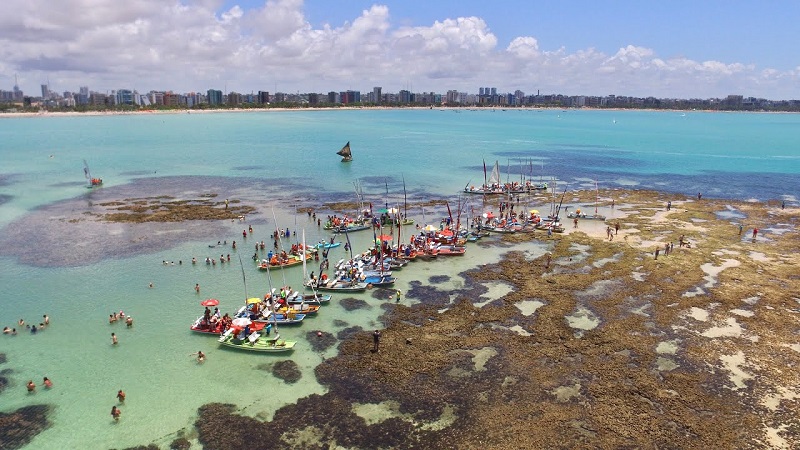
[
  {"x": 246, "y": 335},
  {"x": 345, "y": 153},
  {"x": 338, "y": 285}
]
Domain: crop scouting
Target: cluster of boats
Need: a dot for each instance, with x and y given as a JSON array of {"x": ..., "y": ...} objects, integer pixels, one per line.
[
  {"x": 254, "y": 327},
  {"x": 493, "y": 186}
]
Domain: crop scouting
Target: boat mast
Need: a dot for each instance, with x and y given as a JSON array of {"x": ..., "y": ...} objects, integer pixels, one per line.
[
  {"x": 596, "y": 196},
  {"x": 280, "y": 243},
  {"x": 244, "y": 279},
  {"x": 405, "y": 202}
]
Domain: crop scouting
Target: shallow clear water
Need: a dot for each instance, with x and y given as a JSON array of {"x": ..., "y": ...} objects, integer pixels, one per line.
[{"x": 281, "y": 159}]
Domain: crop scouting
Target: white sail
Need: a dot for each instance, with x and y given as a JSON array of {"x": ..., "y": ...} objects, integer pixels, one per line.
[
  {"x": 494, "y": 178},
  {"x": 86, "y": 172}
]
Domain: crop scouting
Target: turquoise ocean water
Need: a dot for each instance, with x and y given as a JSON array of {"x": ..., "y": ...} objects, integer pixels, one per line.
[{"x": 281, "y": 160}]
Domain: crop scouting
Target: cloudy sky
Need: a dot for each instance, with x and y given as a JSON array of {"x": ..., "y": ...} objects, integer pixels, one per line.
[{"x": 705, "y": 48}]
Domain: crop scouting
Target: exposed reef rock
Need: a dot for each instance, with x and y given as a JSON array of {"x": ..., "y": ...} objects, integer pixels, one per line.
[{"x": 19, "y": 427}]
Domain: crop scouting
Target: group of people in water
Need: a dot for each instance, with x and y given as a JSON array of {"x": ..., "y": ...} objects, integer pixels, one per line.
[
  {"x": 31, "y": 386},
  {"x": 120, "y": 316},
  {"x": 33, "y": 329}
]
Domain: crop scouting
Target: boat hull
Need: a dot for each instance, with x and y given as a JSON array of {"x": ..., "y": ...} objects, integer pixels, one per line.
[
  {"x": 339, "y": 287},
  {"x": 260, "y": 346}
]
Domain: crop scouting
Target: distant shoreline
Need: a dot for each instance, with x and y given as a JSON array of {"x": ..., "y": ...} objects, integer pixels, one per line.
[{"x": 354, "y": 108}]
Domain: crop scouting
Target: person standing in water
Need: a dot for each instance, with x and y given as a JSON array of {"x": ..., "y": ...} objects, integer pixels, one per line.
[{"x": 115, "y": 413}]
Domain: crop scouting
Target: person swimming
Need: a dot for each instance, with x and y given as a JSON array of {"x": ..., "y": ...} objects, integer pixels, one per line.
[{"x": 47, "y": 383}]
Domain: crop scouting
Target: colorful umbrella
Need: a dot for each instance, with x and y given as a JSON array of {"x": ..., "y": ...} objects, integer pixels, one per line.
[
  {"x": 385, "y": 237},
  {"x": 430, "y": 228},
  {"x": 252, "y": 300},
  {"x": 534, "y": 211},
  {"x": 210, "y": 302}
]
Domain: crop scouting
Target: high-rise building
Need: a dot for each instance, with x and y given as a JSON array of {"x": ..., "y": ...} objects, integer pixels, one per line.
[
  {"x": 18, "y": 95},
  {"x": 45, "y": 92},
  {"x": 452, "y": 97},
  {"x": 214, "y": 97},
  {"x": 376, "y": 93},
  {"x": 481, "y": 91},
  {"x": 83, "y": 96},
  {"x": 263, "y": 97},
  {"x": 124, "y": 97}
]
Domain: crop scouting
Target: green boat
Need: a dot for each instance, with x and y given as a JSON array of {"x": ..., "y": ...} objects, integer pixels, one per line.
[{"x": 255, "y": 342}]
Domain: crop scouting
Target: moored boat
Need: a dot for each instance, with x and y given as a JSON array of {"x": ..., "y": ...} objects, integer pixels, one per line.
[
  {"x": 331, "y": 285},
  {"x": 242, "y": 338},
  {"x": 281, "y": 260},
  {"x": 451, "y": 250}
]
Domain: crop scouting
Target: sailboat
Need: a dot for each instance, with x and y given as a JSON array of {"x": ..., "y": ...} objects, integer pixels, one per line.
[
  {"x": 594, "y": 216},
  {"x": 345, "y": 153},
  {"x": 491, "y": 186},
  {"x": 345, "y": 224},
  {"x": 92, "y": 182}
]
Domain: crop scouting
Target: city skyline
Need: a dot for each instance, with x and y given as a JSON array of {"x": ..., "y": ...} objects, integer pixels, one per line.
[{"x": 677, "y": 50}]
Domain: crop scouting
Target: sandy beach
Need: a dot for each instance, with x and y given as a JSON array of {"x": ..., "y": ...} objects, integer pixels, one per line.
[{"x": 344, "y": 108}]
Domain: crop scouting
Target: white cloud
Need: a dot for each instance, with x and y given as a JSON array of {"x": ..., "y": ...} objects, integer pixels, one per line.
[
  {"x": 524, "y": 47},
  {"x": 195, "y": 45}
]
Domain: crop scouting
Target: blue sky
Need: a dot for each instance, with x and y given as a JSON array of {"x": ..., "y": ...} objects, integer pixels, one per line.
[
  {"x": 666, "y": 49},
  {"x": 759, "y": 32}
]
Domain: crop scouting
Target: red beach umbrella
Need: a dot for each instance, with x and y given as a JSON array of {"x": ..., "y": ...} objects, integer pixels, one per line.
[
  {"x": 210, "y": 302},
  {"x": 385, "y": 237}
]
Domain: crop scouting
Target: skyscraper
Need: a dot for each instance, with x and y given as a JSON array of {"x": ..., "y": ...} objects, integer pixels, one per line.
[
  {"x": 17, "y": 91},
  {"x": 45, "y": 91},
  {"x": 214, "y": 97},
  {"x": 376, "y": 92}
]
